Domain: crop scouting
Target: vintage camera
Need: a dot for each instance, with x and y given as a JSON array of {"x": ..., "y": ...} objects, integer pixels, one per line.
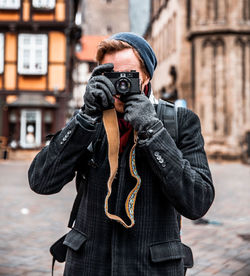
[{"x": 125, "y": 83}]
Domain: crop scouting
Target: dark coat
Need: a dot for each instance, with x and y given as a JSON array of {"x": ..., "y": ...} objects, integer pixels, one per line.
[{"x": 180, "y": 184}]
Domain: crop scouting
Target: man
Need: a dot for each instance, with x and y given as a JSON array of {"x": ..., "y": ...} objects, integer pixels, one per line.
[{"x": 143, "y": 238}]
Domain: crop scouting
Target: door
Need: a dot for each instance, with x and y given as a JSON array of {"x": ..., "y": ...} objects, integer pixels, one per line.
[{"x": 30, "y": 128}]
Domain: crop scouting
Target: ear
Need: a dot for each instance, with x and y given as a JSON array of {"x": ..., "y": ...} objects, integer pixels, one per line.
[{"x": 146, "y": 80}]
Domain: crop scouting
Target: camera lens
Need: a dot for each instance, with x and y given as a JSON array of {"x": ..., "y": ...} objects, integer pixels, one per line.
[{"x": 123, "y": 85}]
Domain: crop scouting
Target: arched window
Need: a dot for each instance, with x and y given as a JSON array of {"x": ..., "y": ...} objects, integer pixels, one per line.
[
  {"x": 246, "y": 10},
  {"x": 241, "y": 74},
  {"x": 213, "y": 86},
  {"x": 216, "y": 10}
]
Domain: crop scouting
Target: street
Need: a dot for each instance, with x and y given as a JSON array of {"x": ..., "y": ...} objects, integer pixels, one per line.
[{"x": 30, "y": 223}]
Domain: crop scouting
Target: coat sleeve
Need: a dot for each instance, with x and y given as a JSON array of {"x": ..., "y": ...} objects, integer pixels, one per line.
[
  {"x": 184, "y": 173},
  {"x": 55, "y": 165}
]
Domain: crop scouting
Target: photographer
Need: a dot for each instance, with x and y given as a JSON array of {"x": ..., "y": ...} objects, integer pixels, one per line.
[{"x": 138, "y": 181}]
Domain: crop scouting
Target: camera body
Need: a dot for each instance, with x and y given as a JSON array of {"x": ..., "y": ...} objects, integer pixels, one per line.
[{"x": 125, "y": 83}]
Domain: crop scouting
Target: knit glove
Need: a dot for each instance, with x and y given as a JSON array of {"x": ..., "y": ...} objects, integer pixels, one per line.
[
  {"x": 140, "y": 113},
  {"x": 99, "y": 91}
]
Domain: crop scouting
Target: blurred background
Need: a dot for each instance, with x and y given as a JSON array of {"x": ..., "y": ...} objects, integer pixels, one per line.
[{"x": 47, "y": 53}]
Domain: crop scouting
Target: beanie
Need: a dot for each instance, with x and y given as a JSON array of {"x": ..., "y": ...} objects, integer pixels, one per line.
[{"x": 143, "y": 48}]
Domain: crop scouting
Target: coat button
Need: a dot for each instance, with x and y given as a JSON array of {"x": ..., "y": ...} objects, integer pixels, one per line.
[
  {"x": 163, "y": 165},
  {"x": 150, "y": 132},
  {"x": 156, "y": 153},
  {"x": 69, "y": 131}
]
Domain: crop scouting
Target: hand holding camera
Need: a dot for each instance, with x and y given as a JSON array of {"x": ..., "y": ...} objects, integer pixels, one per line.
[
  {"x": 140, "y": 112},
  {"x": 99, "y": 91},
  {"x": 105, "y": 83}
]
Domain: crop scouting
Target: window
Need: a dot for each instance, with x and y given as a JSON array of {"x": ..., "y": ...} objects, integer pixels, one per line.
[
  {"x": 30, "y": 128},
  {"x": 109, "y": 29},
  {"x": 32, "y": 54},
  {"x": 10, "y": 4},
  {"x": 246, "y": 10},
  {"x": 1, "y": 53},
  {"x": 43, "y": 4}
]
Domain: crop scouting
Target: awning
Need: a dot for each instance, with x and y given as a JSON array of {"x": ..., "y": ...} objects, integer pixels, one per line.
[{"x": 31, "y": 100}]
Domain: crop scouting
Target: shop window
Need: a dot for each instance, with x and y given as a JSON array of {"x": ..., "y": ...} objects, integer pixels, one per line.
[
  {"x": 32, "y": 54},
  {"x": 10, "y": 4},
  {"x": 30, "y": 128},
  {"x": 43, "y": 4},
  {"x": 1, "y": 53}
]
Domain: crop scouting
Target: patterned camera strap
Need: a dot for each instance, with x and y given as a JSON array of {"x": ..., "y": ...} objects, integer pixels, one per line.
[{"x": 112, "y": 130}]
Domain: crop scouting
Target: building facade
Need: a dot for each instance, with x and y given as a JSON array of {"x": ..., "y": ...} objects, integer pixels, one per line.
[
  {"x": 168, "y": 36},
  {"x": 105, "y": 17},
  {"x": 208, "y": 43},
  {"x": 36, "y": 39}
]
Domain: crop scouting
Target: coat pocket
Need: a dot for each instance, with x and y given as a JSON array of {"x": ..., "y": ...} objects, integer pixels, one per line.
[
  {"x": 188, "y": 256},
  {"x": 75, "y": 239},
  {"x": 166, "y": 251}
]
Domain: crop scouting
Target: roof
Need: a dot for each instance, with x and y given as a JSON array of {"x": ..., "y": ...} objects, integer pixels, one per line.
[{"x": 89, "y": 47}]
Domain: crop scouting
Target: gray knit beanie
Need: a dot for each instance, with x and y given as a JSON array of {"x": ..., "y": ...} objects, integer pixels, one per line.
[{"x": 143, "y": 48}]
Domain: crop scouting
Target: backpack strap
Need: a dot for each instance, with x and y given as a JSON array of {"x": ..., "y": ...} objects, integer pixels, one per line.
[
  {"x": 167, "y": 113},
  {"x": 77, "y": 201}
]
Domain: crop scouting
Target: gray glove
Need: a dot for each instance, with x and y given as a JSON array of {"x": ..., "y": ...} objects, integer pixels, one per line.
[
  {"x": 99, "y": 91},
  {"x": 140, "y": 113}
]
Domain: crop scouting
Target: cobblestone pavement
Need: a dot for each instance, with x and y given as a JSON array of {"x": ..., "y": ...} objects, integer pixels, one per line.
[
  {"x": 218, "y": 247},
  {"x": 30, "y": 223}
]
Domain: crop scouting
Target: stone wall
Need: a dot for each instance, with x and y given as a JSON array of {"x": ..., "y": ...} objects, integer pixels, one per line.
[
  {"x": 219, "y": 33},
  {"x": 208, "y": 42}
]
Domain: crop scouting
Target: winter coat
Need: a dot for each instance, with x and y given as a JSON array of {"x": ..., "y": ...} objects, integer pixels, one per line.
[{"x": 174, "y": 181}]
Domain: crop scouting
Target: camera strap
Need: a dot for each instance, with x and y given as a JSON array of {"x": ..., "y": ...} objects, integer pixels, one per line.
[{"x": 111, "y": 126}]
